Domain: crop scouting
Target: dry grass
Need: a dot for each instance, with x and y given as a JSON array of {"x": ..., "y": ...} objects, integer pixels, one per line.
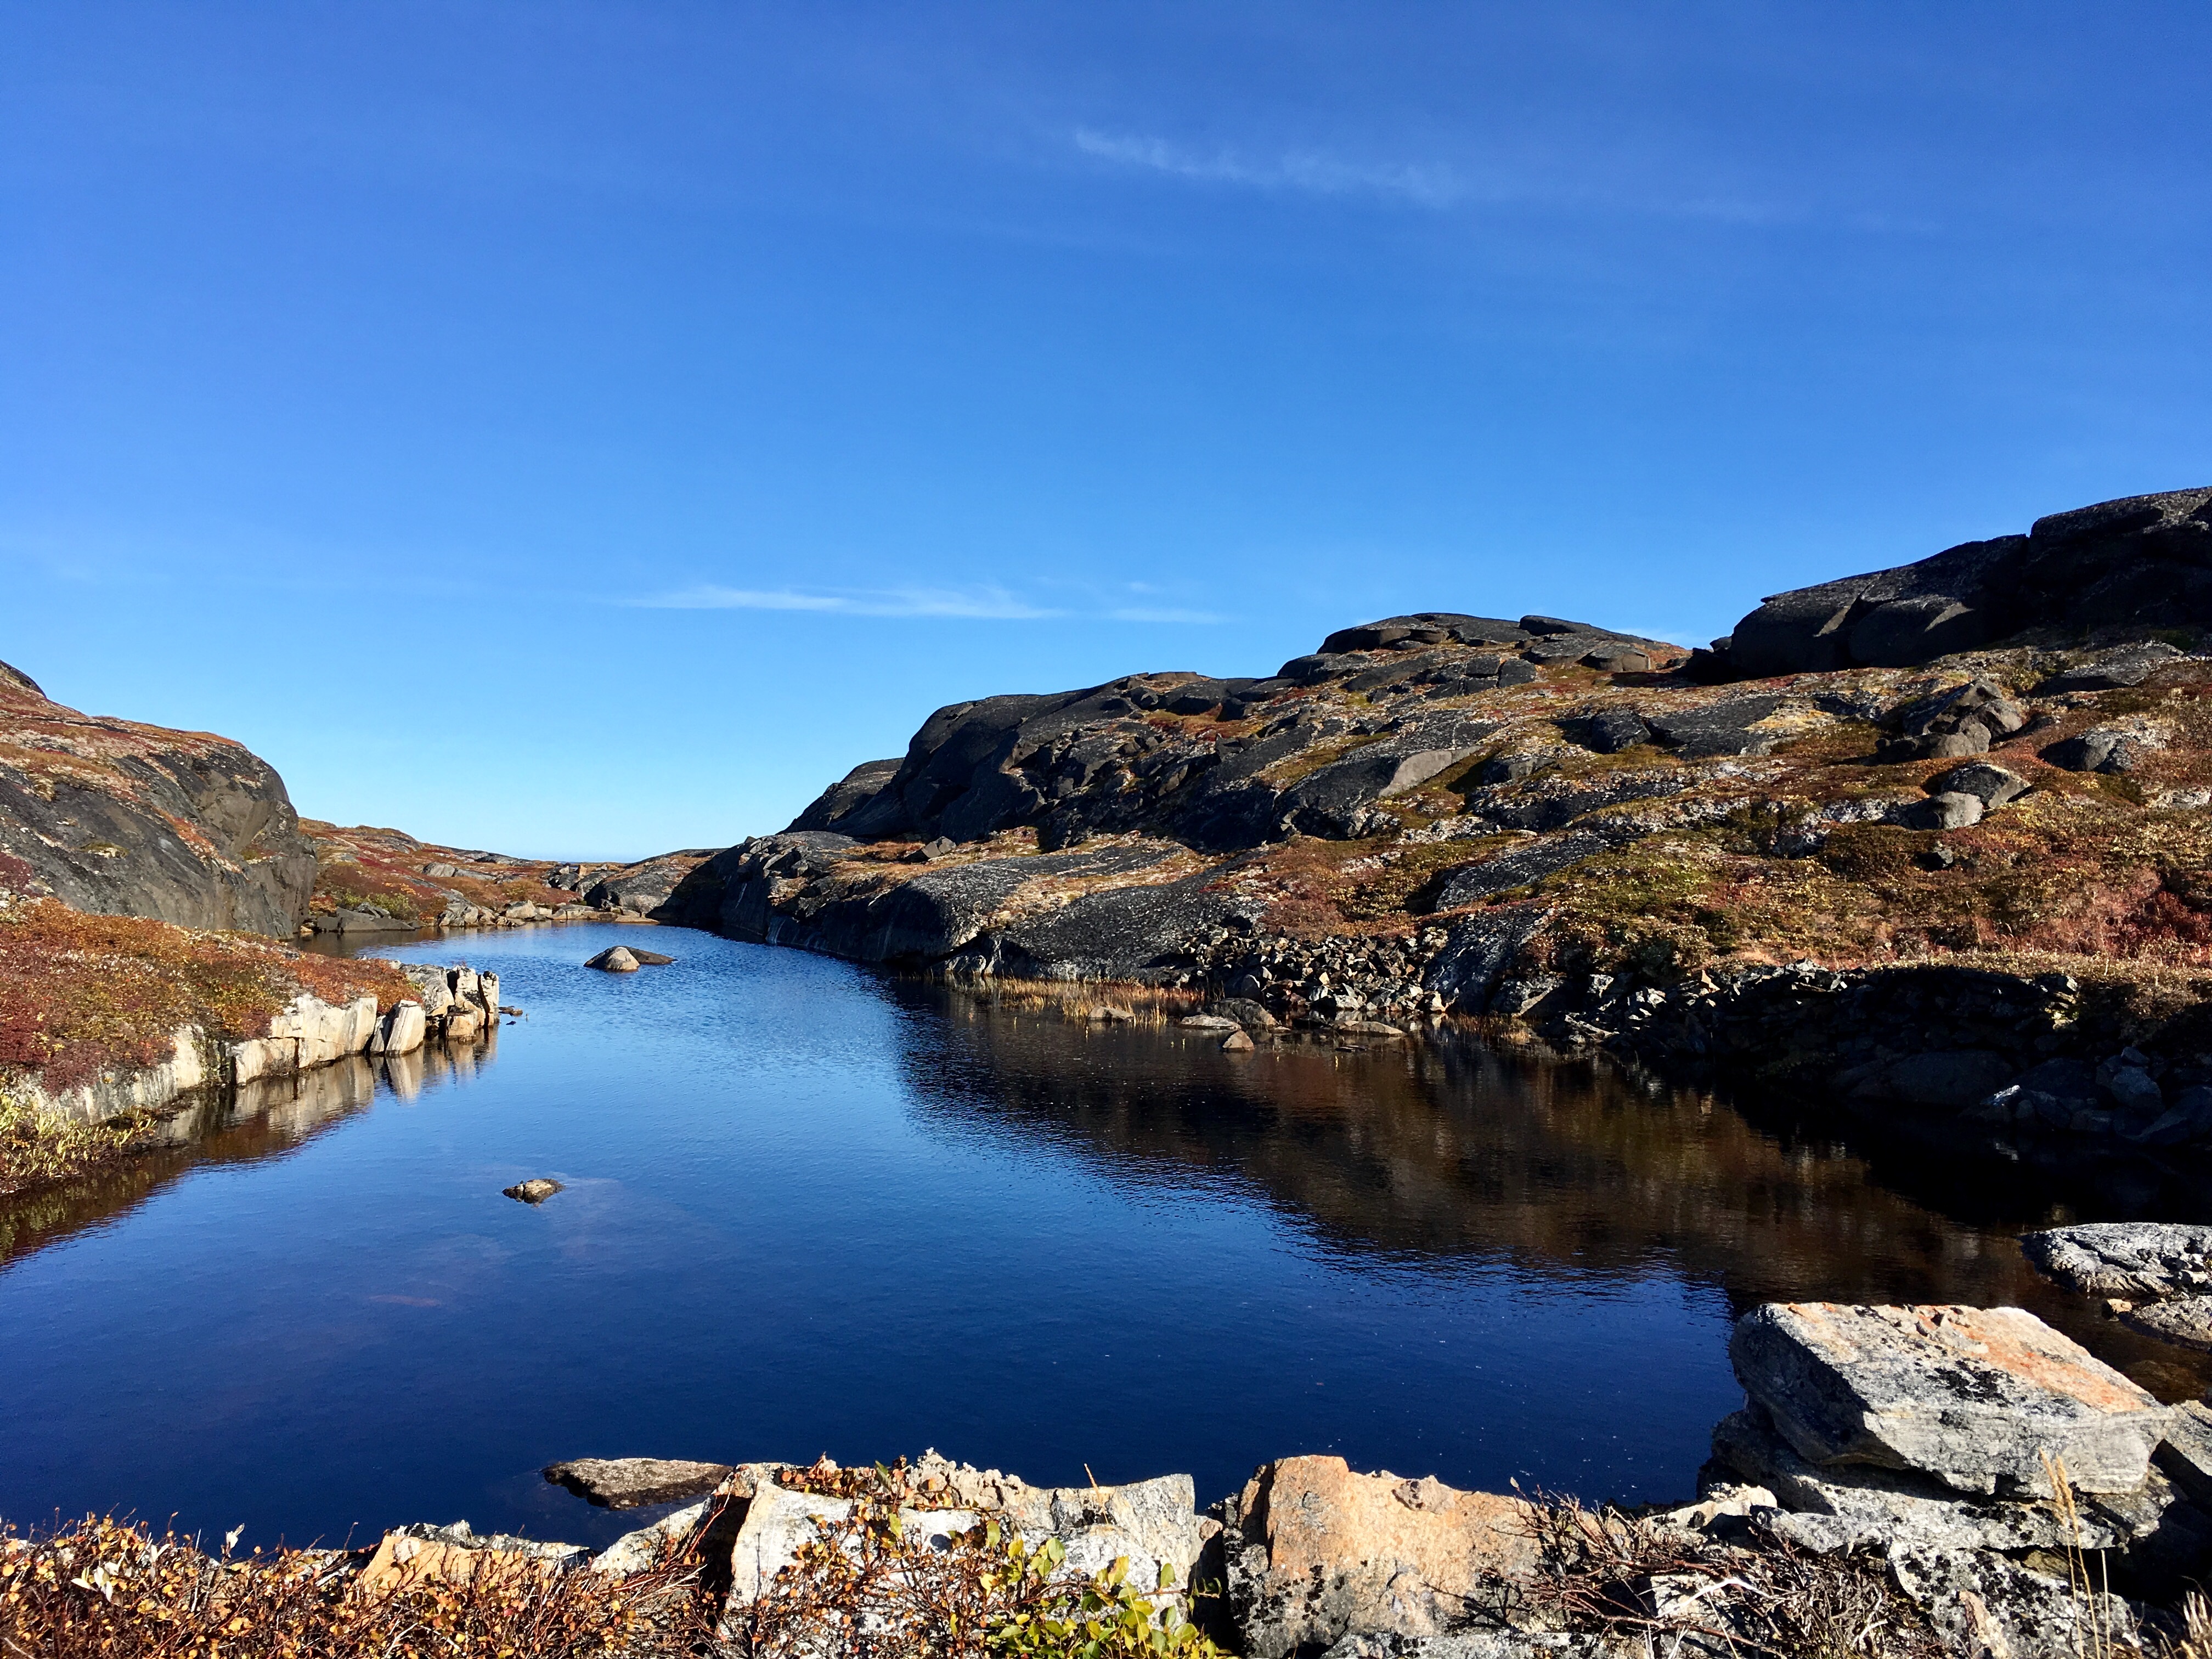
[{"x": 106, "y": 1589}]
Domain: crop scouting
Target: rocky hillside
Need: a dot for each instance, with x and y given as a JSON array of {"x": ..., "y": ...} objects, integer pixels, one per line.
[
  {"x": 374, "y": 880},
  {"x": 117, "y": 818},
  {"x": 1605, "y": 838}
]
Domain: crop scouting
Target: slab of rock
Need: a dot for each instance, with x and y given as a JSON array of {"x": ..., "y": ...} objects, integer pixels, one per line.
[
  {"x": 1150, "y": 1523},
  {"x": 459, "y": 1556},
  {"x": 1970, "y": 1396},
  {"x": 625, "y": 1483},
  {"x": 648, "y": 958},
  {"x": 1853, "y": 1505},
  {"x": 2153, "y": 1260},
  {"x": 1315, "y": 1552},
  {"x": 1951, "y": 810},
  {"x": 615, "y": 959},
  {"x": 535, "y": 1191}
]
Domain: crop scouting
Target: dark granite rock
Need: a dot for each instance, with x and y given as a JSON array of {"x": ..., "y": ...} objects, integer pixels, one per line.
[
  {"x": 134, "y": 820},
  {"x": 2143, "y": 562}
]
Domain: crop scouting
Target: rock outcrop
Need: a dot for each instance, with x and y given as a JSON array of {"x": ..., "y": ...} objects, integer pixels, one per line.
[
  {"x": 2138, "y": 564},
  {"x": 118, "y": 819},
  {"x": 2155, "y": 1276}
]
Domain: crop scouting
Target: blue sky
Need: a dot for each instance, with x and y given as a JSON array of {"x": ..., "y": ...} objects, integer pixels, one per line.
[{"x": 587, "y": 430}]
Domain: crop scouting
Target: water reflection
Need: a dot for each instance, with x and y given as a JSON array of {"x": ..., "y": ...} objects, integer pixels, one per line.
[
  {"x": 262, "y": 1119},
  {"x": 1452, "y": 1152}
]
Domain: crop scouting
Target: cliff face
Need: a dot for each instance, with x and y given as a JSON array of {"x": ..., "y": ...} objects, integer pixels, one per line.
[{"x": 117, "y": 818}]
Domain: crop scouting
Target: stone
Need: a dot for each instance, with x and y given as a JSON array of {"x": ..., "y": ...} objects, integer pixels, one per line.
[
  {"x": 646, "y": 958},
  {"x": 1615, "y": 730},
  {"x": 2185, "y": 1456},
  {"x": 625, "y": 1483},
  {"x": 1956, "y": 1078},
  {"x": 459, "y": 1556},
  {"x": 440, "y": 872},
  {"x": 1315, "y": 1552},
  {"x": 2137, "y": 1260},
  {"x": 401, "y": 1031},
  {"x": 1971, "y": 1596},
  {"x": 615, "y": 959},
  {"x": 1618, "y": 659},
  {"x": 1208, "y": 1022},
  {"x": 2186, "y": 1320},
  {"x": 1148, "y": 1524},
  {"x": 1252, "y": 1016},
  {"x": 1972, "y": 1397},
  {"x": 1728, "y": 727},
  {"x": 534, "y": 1191},
  {"x": 1953, "y": 809},
  {"x": 633, "y": 1551},
  {"x": 1237, "y": 1042},
  {"x": 1990, "y": 784},
  {"x": 1852, "y": 1505}
]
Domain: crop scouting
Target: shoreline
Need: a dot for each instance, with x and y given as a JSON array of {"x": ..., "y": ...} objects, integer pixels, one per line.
[{"x": 1831, "y": 1492}]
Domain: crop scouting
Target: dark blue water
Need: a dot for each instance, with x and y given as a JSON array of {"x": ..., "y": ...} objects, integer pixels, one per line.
[{"x": 811, "y": 1210}]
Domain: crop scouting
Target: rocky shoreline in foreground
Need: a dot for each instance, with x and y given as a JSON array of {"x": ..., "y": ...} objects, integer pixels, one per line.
[{"x": 1905, "y": 1481}]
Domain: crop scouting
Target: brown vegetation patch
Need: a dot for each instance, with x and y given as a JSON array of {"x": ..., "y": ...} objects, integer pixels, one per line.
[{"x": 82, "y": 995}]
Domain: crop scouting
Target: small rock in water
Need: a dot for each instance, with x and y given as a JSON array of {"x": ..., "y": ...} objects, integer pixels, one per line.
[
  {"x": 616, "y": 959},
  {"x": 649, "y": 959},
  {"x": 1237, "y": 1042},
  {"x": 624, "y": 1483},
  {"x": 535, "y": 1191}
]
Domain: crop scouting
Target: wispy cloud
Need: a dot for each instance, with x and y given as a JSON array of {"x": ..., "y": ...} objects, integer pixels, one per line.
[
  {"x": 987, "y": 603},
  {"x": 1313, "y": 172},
  {"x": 983, "y": 602}
]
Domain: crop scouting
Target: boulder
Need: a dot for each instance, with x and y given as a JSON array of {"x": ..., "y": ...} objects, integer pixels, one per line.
[
  {"x": 625, "y": 1483},
  {"x": 536, "y": 1190},
  {"x": 401, "y": 1031},
  {"x": 646, "y": 958},
  {"x": 1315, "y": 1552},
  {"x": 1731, "y": 727},
  {"x": 2149, "y": 1259},
  {"x": 1989, "y": 783},
  {"x": 1237, "y": 1042},
  {"x": 457, "y": 1555},
  {"x": 2158, "y": 1274},
  {"x": 615, "y": 959},
  {"x": 1518, "y": 866},
  {"x": 1615, "y": 730},
  {"x": 1950, "y": 810},
  {"x": 1972, "y": 1397},
  {"x": 1148, "y": 1524}
]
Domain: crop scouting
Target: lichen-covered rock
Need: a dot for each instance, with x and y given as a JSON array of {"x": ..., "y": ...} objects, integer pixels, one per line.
[
  {"x": 1316, "y": 1551},
  {"x": 118, "y": 819},
  {"x": 1972, "y": 1397}
]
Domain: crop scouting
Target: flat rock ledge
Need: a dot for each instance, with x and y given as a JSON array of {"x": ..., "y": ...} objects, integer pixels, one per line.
[
  {"x": 2154, "y": 1276},
  {"x": 1908, "y": 1450}
]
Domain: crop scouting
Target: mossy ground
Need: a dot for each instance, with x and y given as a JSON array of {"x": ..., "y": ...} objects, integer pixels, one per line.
[{"x": 80, "y": 995}]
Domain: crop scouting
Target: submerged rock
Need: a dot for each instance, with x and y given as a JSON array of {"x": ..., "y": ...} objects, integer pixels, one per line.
[
  {"x": 624, "y": 1483},
  {"x": 534, "y": 1191},
  {"x": 2158, "y": 1274},
  {"x": 616, "y": 959}
]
